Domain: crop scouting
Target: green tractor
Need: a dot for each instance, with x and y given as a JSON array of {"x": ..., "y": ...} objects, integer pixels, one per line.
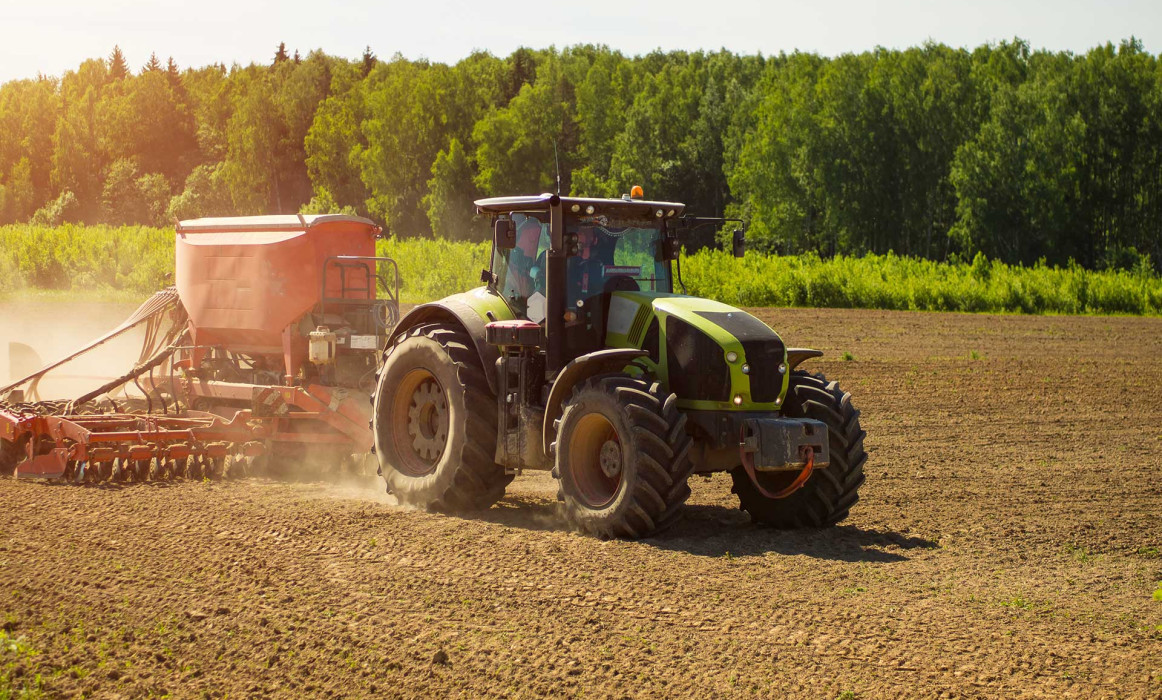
[{"x": 578, "y": 357}]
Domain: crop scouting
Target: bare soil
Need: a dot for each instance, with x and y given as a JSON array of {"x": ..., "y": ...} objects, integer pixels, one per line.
[{"x": 1007, "y": 544}]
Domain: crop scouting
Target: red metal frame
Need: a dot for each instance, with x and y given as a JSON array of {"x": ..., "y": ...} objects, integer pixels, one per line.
[{"x": 244, "y": 283}]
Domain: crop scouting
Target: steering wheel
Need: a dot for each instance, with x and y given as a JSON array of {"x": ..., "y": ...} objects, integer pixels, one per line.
[{"x": 621, "y": 283}]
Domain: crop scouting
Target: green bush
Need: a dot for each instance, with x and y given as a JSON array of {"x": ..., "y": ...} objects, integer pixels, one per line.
[{"x": 139, "y": 260}]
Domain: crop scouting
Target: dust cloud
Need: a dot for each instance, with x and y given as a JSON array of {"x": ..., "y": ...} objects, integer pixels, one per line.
[{"x": 53, "y": 329}]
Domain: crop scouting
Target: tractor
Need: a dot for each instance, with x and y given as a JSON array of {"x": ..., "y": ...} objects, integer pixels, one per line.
[{"x": 579, "y": 356}]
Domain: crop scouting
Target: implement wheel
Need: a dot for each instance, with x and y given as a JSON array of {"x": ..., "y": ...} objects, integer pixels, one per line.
[
  {"x": 9, "y": 456},
  {"x": 622, "y": 457},
  {"x": 830, "y": 493},
  {"x": 435, "y": 423}
]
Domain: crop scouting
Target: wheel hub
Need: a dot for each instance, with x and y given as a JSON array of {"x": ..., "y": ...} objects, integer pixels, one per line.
[
  {"x": 594, "y": 461},
  {"x": 610, "y": 458},
  {"x": 428, "y": 420}
]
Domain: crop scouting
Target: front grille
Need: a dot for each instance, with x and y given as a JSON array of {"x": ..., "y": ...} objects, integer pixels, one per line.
[
  {"x": 696, "y": 366},
  {"x": 764, "y": 357},
  {"x": 762, "y": 348}
]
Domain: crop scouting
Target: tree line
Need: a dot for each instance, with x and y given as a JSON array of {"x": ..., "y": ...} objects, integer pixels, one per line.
[{"x": 935, "y": 152}]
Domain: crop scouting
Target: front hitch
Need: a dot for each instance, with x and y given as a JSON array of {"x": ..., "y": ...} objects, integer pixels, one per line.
[{"x": 783, "y": 444}]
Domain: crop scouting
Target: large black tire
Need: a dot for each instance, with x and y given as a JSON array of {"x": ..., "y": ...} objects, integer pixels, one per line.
[
  {"x": 830, "y": 493},
  {"x": 622, "y": 457},
  {"x": 435, "y": 423}
]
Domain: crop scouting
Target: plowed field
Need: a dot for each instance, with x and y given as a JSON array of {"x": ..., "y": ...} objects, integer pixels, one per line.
[{"x": 1007, "y": 544}]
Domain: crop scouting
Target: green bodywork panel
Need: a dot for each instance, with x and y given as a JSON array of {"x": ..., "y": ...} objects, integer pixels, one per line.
[
  {"x": 631, "y": 313},
  {"x": 482, "y": 300}
]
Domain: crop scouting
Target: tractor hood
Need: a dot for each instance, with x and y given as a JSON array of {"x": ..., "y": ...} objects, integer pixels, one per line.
[{"x": 713, "y": 356}]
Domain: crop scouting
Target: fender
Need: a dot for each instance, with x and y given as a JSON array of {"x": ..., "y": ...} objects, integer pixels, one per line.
[
  {"x": 797, "y": 356},
  {"x": 577, "y": 371},
  {"x": 458, "y": 313}
]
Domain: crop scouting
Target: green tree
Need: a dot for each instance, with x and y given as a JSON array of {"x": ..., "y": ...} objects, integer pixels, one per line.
[
  {"x": 121, "y": 199},
  {"x": 211, "y": 95},
  {"x": 774, "y": 177},
  {"x": 515, "y": 143},
  {"x": 406, "y": 127},
  {"x": 254, "y": 156},
  {"x": 29, "y": 110},
  {"x": 78, "y": 160},
  {"x": 18, "y": 198},
  {"x": 451, "y": 192},
  {"x": 368, "y": 61},
  {"x": 1017, "y": 180},
  {"x": 144, "y": 119},
  {"x": 62, "y": 210},
  {"x": 118, "y": 68},
  {"x": 152, "y": 65},
  {"x": 205, "y": 194},
  {"x": 334, "y": 143}
]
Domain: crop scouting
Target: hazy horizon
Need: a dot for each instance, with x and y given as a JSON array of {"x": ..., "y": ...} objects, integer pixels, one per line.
[{"x": 55, "y": 37}]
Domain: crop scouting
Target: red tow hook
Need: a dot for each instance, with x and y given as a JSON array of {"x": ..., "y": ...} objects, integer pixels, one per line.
[{"x": 748, "y": 465}]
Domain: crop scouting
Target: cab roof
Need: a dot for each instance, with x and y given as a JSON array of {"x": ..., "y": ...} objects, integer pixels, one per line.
[{"x": 541, "y": 202}]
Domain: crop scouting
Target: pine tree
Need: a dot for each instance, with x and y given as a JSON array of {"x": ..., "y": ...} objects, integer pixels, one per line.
[
  {"x": 297, "y": 58},
  {"x": 369, "y": 61},
  {"x": 172, "y": 73},
  {"x": 281, "y": 54},
  {"x": 152, "y": 65},
  {"x": 117, "y": 66}
]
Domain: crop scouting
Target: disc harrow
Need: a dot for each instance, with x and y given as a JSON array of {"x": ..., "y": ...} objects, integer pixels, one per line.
[{"x": 41, "y": 441}]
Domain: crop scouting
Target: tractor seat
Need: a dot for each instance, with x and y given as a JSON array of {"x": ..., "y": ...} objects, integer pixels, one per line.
[{"x": 515, "y": 333}]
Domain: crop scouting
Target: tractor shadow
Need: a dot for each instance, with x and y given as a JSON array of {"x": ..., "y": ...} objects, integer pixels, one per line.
[{"x": 716, "y": 531}]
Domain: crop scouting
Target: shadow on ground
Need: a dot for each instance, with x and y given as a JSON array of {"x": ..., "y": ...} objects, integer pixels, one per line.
[{"x": 715, "y": 531}]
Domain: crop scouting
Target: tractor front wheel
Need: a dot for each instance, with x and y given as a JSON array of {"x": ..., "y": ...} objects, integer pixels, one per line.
[
  {"x": 622, "y": 457},
  {"x": 830, "y": 493},
  {"x": 435, "y": 423}
]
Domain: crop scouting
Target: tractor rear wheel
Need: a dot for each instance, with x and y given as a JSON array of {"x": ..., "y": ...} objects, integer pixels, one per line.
[
  {"x": 435, "y": 423},
  {"x": 830, "y": 493},
  {"x": 622, "y": 457}
]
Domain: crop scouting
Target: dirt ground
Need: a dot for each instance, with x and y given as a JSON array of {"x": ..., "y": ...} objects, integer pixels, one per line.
[{"x": 1007, "y": 544}]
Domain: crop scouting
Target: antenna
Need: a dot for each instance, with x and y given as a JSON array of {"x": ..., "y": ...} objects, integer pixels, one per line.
[{"x": 557, "y": 163}]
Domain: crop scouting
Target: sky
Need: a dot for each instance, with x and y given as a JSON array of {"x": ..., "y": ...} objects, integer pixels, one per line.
[{"x": 52, "y": 36}]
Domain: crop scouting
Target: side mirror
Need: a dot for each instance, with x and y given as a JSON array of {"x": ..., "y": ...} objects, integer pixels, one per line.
[
  {"x": 504, "y": 234},
  {"x": 739, "y": 242}
]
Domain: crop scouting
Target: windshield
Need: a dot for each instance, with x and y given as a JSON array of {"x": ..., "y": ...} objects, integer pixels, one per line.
[
  {"x": 612, "y": 255},
  {"x": 615, "y": 256}
]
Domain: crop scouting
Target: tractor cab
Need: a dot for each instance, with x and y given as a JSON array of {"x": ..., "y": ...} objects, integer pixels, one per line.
[{"x": 558, "y": 260}]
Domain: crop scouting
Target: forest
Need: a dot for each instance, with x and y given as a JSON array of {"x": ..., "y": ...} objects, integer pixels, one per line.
[{"x": 1019, "y": 155}]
